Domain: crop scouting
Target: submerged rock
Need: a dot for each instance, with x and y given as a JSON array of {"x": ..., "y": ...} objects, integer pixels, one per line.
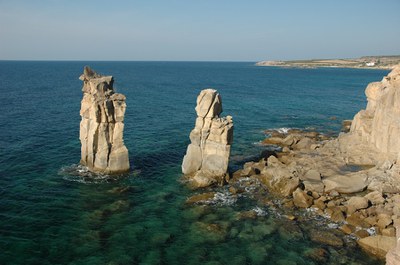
[
  {"x": 102, "y": 125},
  {"x": 325, "y": 237},
  {"x": 207, "y": 156}
]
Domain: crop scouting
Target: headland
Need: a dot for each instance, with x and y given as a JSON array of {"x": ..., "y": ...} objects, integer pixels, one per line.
[{"x": 365, "y": 62}]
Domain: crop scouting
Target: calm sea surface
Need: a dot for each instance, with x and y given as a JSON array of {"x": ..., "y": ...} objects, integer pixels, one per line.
[{"x": 51, "y": 214}]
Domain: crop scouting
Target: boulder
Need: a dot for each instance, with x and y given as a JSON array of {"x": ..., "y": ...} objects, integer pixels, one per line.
[
  {"x": 304, "y": 143},
  {"x": 375, "y": 197},
  {"x": 377, "y": 245},
  {"x": 207, "y": 155},
  {"x": 301, "y": 199},
  {"x": 325, "y": 237},
  {"x": 313, "y": 185},
  {"x": 393, "y": 256},
  {"x": 312, "y": 174},
  {"x": 350, "y": 183},
  {"x": 102, "y": 125},
  {"x": 356, "y": 203},
  {"x": 384, "y": 220}
]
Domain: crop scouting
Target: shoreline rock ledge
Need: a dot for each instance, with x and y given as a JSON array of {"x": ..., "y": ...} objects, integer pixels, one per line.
[
  {"x": 101, "y": 129},
  {"x": 354, "y": 179},
  {"x": 207, "y": 156}
]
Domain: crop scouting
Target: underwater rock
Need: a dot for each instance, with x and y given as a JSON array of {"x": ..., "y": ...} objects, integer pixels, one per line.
[
  {"x": 200, "y": 197},
  {"x": 102, "y": 125},
  {"x": 207, "y": 156},
  {"x": 325, "y": 237}
]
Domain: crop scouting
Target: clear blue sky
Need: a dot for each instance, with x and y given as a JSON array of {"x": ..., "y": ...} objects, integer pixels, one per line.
[{"x": 220, "y": 30}]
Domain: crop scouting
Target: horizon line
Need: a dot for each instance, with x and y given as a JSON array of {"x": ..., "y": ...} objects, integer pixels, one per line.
[{"x": 151, "y": 60}]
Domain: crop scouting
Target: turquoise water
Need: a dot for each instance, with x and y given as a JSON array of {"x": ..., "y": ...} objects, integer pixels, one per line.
[{"x": 52, "y": 214}]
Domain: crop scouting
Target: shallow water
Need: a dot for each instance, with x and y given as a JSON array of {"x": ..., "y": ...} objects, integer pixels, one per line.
[{"x": 53, "y": 212}]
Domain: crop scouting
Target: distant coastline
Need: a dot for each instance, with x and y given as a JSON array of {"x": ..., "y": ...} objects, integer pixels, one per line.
[{"x": 365, "y": 62}]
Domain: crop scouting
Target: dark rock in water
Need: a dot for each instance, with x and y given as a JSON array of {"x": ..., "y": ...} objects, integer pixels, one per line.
[
  {"x": 200, "y": 197},
  {"x": 319, "y": 255},
  {"x": 120, "y": 190},
  {"x": 247, "y": 215},
  {"x": 326, "y": 237},
  {"x": 120, "y": 205},
  {"x": 209, "y": 232}
]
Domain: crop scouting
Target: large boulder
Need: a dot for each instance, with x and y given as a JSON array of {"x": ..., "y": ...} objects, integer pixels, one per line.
[
  {"x": 377, "y": 245},
  {"x": 393, "y": 255},
  {"x": 102, "y": 125},
  {"x": 207, "y": 156},
  {"x": 356, "y": 203},
  {"x": 350, "y": 183}
]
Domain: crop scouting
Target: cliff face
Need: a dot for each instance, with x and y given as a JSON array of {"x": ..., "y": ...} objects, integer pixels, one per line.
[
  {"x": 207, "y": 155},
  {"x": 378, "y": 126},
  {"x": 102, "y": 125}
]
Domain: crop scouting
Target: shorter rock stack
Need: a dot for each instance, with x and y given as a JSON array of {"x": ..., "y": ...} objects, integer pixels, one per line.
[
  {"x": 207, "y": 156},
  {"x": 102, "y": 125}
]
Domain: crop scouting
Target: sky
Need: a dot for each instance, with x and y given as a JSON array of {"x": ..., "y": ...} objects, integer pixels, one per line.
[{"x": 197, "y": 30}]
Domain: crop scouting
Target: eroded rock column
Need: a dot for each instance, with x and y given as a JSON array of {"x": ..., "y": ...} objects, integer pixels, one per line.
[
  {"x": 102, "y": 125},
  {"x": 207, "y": 156}
]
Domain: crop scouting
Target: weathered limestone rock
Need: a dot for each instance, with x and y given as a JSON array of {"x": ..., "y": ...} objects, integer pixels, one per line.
[
  {"x": 301, "y": 199},
  {"x": 393, "y": 256},
  {"x": 207, "y": 155},
  {"x": 356, "y": 203},
  {"x": 350, "y": 183},
  {"x": 377, "y": 245},
  {"x": 379, "y": 124},
  {"x": 102, "y": 125}
]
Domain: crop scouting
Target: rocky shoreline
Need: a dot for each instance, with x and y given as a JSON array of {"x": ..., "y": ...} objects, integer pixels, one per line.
[{"x": 353, "y": 180}]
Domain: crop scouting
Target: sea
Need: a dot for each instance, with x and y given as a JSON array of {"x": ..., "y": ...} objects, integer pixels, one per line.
[{"x": 52, "y": 211}]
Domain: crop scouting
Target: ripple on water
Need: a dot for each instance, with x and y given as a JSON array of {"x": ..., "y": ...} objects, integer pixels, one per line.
[{"x": 81, "y": 174}]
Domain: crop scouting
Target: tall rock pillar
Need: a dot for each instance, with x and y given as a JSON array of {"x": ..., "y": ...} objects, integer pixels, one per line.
[
  {"x": 102, "y": 125},
  {"x": 207, "y": 156}
]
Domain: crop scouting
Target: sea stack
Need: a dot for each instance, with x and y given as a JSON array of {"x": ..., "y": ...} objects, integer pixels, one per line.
[
  {"x": 207, "y": 156},
  {"x": 102, "y": 125}
]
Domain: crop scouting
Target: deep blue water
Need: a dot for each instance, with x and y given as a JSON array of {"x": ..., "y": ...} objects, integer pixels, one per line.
[{"x": 51, "y": 216}]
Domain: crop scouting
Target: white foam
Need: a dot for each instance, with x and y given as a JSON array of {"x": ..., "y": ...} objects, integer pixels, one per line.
[
  {"x": 222, "y": 198},
  {"x": 371, "y": 231},
  {"x": 81, "y": 174},
  {"x": 283, "y": 130},
  {"x": 260, "y": 212},
  {"x": 333, "y": 225}
]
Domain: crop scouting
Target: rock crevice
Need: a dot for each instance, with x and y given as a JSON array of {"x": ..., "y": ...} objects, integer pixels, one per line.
[{"x": 101, "y": 128}]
